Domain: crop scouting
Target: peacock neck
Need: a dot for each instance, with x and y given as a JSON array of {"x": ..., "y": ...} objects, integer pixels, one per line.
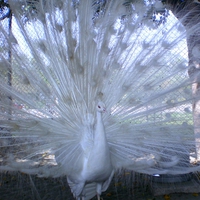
[
  {"x": 99, "y": 117},
  {"x": 99, "y": 136}
]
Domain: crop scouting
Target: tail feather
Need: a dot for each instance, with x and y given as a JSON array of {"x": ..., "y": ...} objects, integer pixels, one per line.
[{"x": 68, "y": 58}]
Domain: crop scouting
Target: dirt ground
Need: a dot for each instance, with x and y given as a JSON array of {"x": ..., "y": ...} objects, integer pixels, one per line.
[{"x": 18, "y": 186}]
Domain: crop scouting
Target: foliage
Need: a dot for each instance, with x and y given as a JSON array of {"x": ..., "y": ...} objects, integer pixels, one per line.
[{"x": 5, "y": 11}]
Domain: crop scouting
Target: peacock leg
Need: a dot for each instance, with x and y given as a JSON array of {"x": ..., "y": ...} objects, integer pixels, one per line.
[{"x": 98, "y": 197}]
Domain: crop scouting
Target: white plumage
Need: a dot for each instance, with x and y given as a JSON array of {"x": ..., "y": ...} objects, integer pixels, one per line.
[
  {"x": 70, "y": 58},
  {"x": 96, "y": 163}
]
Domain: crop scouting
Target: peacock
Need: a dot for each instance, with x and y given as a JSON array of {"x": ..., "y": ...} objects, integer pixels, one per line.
[{"x": 89, "y": 88}]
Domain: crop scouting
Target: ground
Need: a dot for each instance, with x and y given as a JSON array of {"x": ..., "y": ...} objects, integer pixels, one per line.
[{"x": 19, "y": 186}]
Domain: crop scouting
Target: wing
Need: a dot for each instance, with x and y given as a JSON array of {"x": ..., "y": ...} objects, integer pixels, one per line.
[
  {"x": 107, "y": 182},
  {"x": 90, "y": 190},
  {"x": 76, "y": 188}
]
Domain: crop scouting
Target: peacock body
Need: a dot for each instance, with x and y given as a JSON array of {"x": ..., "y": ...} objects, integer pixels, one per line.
[{"x": 100, "y": 93}]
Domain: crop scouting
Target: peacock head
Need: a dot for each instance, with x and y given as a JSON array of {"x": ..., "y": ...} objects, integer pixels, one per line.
[{"x": 101, "y": 107}]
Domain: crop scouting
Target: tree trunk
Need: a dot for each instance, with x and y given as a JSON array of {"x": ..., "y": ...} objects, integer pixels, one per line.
[
  {"x": 194, "y": 73},
  {"x": 9, "y": 74}
]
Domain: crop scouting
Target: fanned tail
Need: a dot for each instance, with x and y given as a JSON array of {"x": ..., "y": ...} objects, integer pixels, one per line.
[{"x": 71, "y": 56}]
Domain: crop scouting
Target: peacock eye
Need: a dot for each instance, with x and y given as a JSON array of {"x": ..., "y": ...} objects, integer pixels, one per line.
[{"x": 99, "y": 106}]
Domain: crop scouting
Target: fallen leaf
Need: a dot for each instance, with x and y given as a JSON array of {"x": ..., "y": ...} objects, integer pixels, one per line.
[
  {"x": 195, "y": 194},
  {"x": 166, "y": 197}
]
